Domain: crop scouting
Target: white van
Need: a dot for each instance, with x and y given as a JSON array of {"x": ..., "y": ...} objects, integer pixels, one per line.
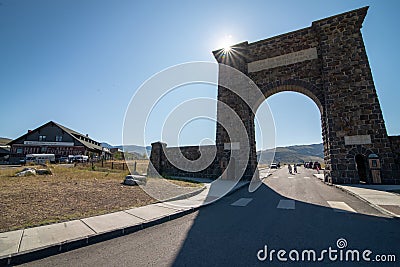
[
  {"x": 40, "y": 158},
  {"x": 81, "y": 158}
]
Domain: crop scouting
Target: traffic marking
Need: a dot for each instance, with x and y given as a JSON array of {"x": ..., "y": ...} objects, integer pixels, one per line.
[
  {"x": 306, "y": 177},
  {"x": 286, "y": 204},
  {"x": 242, "y": 202},
  {"x": 290, "y": 177},
  {"x": 339, "y": 206}
]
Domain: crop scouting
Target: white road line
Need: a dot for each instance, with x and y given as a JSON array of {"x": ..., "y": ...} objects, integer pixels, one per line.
[
  {"x": 290, "y": 177},
  {"x": 286, "y": 204},
  {"x": 306, "y": 177},
  {"x": 275, "y": 177},
  {"x": 242, "y": 202},
  {"x": 339, "y": 206}
]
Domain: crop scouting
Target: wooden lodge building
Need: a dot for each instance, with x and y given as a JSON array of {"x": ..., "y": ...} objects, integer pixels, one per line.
[{"x": 53, "y": 138}]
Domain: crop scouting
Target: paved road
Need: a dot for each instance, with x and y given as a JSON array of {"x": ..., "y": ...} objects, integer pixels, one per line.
[{"x": 291, "y": 212}]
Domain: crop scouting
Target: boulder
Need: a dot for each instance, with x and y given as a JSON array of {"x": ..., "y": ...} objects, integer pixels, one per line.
[
  {"x": 44, "y": 172},
  {"x": 135, "y": 180},
  {"x": 26, "y": 172}
]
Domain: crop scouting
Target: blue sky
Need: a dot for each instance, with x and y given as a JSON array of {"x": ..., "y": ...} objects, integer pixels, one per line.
[{"x": 80, "y": 62}]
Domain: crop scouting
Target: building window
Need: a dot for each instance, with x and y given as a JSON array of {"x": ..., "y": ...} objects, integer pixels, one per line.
[
  {"x": 19, "y": 150},
  {"x": 42, "y": 138},
  {"x": 58, "y": 138},
  {"x": 43, "y": 149}
]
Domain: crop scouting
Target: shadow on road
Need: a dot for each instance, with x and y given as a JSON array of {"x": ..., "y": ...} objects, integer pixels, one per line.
[{"x": 226, "y": 235}]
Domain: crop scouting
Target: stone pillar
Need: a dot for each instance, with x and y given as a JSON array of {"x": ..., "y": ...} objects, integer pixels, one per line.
[
  {"x": 235, "y": 58},
  {"x": 157, "y": 159},
  {"x": 354, "y": 117}
]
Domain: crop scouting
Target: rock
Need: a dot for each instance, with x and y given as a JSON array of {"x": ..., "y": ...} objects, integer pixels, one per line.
[
  {"x": 44, "y": 172},
  {"x": 26, "y": 172},
  {"x": 135, "y": 180}
]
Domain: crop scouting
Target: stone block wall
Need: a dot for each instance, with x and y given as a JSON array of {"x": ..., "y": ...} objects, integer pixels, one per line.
[
  {"x": 395, "y": 143},
  {"x": 162, "y": 160}
]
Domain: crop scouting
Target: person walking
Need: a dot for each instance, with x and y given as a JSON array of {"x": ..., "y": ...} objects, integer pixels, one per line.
[
  {"x": 290, "y": 168},
  {"x": 295, "y": 168}
]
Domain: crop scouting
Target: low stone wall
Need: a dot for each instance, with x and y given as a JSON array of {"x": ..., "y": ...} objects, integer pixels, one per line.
[
  {"x": 395, "y": 143},
  {"x": 162, "y": 161}
]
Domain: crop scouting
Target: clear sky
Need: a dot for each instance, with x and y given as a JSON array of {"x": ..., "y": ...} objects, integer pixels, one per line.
[{"x": 79, "y": 62}]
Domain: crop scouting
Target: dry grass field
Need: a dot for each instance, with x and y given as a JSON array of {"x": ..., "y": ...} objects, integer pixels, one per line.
[{"x": 69, "y": 193}]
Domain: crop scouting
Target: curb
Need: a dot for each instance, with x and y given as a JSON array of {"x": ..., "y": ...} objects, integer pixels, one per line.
[
  {"x": 269, "y": 174},
  {"x": 43, "y": 252},
  {"x": 39, "y": 253},
  {"x": 377, "y": 207},
  {"x": 185, "y": 195}
]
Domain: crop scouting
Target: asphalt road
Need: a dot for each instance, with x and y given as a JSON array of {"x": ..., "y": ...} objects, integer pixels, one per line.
[{"x": 297, "y": 214}]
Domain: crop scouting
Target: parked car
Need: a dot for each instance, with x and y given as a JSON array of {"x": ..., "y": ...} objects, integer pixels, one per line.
[
  {"x": 40, "y": 158},
  {"x": 273, "y": 166},
  {"x": 309, "y": 165},
  {"x": 316, "y": 165},
  {"x": 81, "y": 158},
  {"x": 63, "y": 160}
]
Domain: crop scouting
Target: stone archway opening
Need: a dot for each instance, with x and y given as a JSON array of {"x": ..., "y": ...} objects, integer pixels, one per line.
[
  {"x": 297, "y": 115},
  {"x": 361, "y": 164}
]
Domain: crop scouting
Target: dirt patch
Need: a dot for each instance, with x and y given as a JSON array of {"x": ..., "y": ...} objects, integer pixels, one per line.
[{"x": 70, "y": 193}]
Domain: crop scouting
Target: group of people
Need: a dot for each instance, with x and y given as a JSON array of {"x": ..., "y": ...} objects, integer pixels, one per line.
[{"x": 294, "y": 168}]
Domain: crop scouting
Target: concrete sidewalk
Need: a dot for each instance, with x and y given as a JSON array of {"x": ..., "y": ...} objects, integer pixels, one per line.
[
  {"x": 37, "y": 242},
  {"x": 378, "y": 196}
]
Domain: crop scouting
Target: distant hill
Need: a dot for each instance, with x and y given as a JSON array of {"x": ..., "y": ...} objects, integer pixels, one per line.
[
  {"x": 4, "y": 141},
  {"x": 106, "y": 145},
  {"x": 292, "y": 154},
  {"x": 138, "y": 151},
  {"x": 135, "y": 149}
]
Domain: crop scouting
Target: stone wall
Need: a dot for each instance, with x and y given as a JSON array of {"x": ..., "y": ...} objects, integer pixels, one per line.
[
  {"x": 395, "y": 143},
  {"x": 162, "y": 160}
]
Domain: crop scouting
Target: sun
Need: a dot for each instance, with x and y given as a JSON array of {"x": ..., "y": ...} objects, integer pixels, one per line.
[
  {"x": 226, "y": 43},
  {"x": 227, "y": 48}
]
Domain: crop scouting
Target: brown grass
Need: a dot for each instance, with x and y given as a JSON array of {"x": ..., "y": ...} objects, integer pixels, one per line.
[{"x": 70, "y": 193}]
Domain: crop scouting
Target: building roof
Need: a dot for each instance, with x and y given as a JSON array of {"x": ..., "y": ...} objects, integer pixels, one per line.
[
  {"x": 85, "y": 140},
  {"x": 81, "y": 138},
  {"x": 4, "y": 149}
]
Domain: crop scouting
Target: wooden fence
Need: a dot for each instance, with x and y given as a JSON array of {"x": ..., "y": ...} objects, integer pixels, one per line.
[{"x": 139, "y": 165}]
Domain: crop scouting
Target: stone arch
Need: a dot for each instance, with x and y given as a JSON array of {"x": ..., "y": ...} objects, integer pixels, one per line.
[
  {"x": 326, "y": 64},
  {"x": 351, "y": 162},
  {"x": 298, "y": 86},
  {"x": 304, "y": 88},
  {"x": 359, "y": 150},
  {"x": 329, "y": 66}
]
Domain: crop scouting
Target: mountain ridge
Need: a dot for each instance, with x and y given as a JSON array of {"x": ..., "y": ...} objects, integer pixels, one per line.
[
  {"x": 292, "y": 154},
  {"x": 4, "y": 140},
  {"x": 288, "y": 154}
]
